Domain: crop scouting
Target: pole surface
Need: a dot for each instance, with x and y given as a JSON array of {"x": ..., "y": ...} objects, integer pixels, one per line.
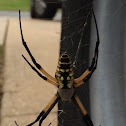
[{"x": 107, "y": 88}]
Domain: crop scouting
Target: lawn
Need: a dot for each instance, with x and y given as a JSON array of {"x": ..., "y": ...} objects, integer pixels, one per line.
[{"x": 15, "y": 5}]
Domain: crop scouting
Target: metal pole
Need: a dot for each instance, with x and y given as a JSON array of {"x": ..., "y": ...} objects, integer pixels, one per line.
[{"x": 107, "y": 88}]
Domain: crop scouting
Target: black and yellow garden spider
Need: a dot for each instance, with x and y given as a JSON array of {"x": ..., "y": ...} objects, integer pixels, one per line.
[{"x": 64, "y": 80}]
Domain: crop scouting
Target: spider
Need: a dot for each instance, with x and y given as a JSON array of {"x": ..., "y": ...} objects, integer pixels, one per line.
[{"x": 64, "y": 80}]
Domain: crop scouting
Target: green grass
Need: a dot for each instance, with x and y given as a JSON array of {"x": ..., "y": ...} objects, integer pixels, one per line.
[{"x": 15, "y": 5}]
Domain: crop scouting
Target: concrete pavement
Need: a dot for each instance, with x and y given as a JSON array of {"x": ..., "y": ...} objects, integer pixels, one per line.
[{"x": 25, "y": 93}]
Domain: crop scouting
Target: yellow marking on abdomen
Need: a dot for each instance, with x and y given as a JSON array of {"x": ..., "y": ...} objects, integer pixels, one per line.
[
  {"x": 62, "y": 70},
  {"x": 62, "y": 78},
  {"x": 68, "y": 78},
  {"x": 57, "y": 74}
]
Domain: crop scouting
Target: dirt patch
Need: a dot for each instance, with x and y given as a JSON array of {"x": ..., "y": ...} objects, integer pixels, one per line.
[{"x": 1, "y": 73}]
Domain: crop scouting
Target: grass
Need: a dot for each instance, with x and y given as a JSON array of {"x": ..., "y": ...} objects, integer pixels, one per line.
[
  {"x": 1, "y": 73},
  {"x": 15, "y": 5}
]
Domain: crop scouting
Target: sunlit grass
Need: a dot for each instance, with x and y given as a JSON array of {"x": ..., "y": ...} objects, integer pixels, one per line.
[{"x": 15, "y": 5}]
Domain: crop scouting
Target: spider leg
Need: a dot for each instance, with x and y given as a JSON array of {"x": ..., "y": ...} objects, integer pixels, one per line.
[
  {"x": 88, "y": 73},
  {"x": 46, "y": 110},
  {"x": 16, "y": 123},
  {"x": 82, "y": 76},
  {"x": 78, "y": 84},
  {"x": 40, "y": 75},
  {"x": 32, "y": 58},
  {"x": 86, "y": 117}
]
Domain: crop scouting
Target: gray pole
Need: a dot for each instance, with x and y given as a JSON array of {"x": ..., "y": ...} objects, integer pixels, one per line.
[{"x": 107, "y": 89}]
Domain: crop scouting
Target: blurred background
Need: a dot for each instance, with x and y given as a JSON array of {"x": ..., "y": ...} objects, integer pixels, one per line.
[{"x": 31, "y": 8}]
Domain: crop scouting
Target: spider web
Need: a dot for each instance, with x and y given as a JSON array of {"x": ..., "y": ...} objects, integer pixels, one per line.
[
  {"x": 79, "y": 30},
  {"x": 79, "y": 27},
  {"x": 78, "y": 40}
]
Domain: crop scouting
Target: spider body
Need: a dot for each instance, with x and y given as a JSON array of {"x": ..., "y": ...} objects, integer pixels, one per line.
[
  {"x": 65, "y": 77},
  {"x": 66, "y": 94},
  {"x": 65, "y": 73},
  {"x": 64, "y": 80}
]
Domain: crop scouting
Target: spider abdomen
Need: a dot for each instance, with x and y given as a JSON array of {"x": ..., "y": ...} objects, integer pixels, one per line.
[
  {"x": 64, "y": 73},
  {"x": 66, "y": 94}
]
